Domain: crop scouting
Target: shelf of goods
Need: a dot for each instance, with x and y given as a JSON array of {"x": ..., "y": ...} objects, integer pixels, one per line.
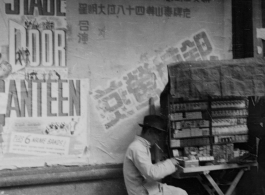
[{"x": 207, "y": 127}]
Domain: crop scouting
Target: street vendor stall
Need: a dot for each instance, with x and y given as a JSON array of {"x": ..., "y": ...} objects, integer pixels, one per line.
[{"x": 206, "y": 104}]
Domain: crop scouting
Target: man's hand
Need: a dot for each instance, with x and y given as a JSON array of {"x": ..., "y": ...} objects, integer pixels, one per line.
[{"x": 174, "y": 161}]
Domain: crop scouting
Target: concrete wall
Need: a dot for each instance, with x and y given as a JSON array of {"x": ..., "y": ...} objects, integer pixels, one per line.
[
  {"x": 87, "y": 180},
  {"x": 104, "y": 180},
  {"x": 100, "y": 187}
]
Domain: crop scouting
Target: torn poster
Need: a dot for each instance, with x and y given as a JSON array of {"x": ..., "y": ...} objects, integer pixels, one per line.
[{"x": 43, "y": 118}]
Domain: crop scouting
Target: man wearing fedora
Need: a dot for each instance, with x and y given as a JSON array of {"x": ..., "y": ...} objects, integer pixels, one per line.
[{"x": 140, "y": 175}]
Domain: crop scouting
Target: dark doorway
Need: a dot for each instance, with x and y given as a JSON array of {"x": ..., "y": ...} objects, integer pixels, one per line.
[{"x": 242, "y": 29}]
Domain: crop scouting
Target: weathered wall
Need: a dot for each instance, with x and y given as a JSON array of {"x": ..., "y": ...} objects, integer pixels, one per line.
[
  {"x": 113, "y": 44},
  {"x": 100, "y": 187},
  {"x": 120, "y": 50},
  {"x": 107, "y": 179},
  {"x": 82, "y": 72}
]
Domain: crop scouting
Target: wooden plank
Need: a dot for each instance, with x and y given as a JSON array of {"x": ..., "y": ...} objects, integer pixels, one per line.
[
  {"x": 235, "y": 182},
  {"x": 206, "y": 187},
  {"x": 213, "y": 167},
  {"x": 212, "y": 182}
]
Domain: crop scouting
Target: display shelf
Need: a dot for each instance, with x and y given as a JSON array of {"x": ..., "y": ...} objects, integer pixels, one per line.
[
  {"x": 228, "y": 108},
  {"x": 227, "y": 134},
  {"x": 188, "y": 142},
  {"x": 181, "y": 147},
  {"x": 179, "y": 120},
  {"x": 214, "y": 167},
  {"x": 206, "y": 123},
  {"x": 226, "y": 117},
  {"x": 234, "y": 142},
  {"x": 192, "y": 137},
  {"x": 224, "y": 125}
]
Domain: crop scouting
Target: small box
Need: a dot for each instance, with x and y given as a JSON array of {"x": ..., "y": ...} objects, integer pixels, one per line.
[
  {"x": 204, "y": 160},
  {"x": 188, "y": 163},
  {"x": 175, "y": 143}
]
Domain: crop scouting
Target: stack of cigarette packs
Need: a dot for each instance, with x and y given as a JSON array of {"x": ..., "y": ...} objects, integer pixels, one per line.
[{"x": 209, "y": 127}]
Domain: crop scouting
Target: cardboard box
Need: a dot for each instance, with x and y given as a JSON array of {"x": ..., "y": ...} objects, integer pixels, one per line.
[{"x": 188, "y": 163}]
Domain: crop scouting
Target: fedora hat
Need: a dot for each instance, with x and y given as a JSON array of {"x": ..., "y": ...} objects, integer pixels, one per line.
[{"x": 154, "y": 121}]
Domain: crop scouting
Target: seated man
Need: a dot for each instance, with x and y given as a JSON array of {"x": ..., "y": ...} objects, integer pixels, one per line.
[{"x": 140, "y": 174}]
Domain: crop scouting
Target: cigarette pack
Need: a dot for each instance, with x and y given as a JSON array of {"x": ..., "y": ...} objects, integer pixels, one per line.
[{"x": 189, "y": 163}]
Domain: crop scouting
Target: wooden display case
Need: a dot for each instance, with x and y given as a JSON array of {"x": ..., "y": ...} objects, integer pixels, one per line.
[
  {"x": 207, "y": 127},
  {"x": 212, "y": 130}
]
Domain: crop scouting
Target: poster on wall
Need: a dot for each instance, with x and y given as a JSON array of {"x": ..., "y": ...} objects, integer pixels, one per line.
[
  {"x": 33, "y": 35},
  {"x": 141, "y": 39},
  {"x": 43, "y": 112},
  {"x": 131, "y": 93},
  {"x": 43, "y": 118}
]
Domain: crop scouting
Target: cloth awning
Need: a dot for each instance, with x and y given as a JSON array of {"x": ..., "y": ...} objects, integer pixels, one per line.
[{"x": 238, "y": 77}]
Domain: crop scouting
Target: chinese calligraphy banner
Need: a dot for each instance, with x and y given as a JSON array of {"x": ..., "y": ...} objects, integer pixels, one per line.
[
  {"x": 142, "y": 38},
  {"x": 133, "y": 10}
]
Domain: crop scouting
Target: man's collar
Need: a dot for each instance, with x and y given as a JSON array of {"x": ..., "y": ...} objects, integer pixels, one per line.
[{"x": 144, "y": 141}]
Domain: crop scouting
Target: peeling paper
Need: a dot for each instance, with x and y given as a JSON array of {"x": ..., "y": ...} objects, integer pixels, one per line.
[
  {"x": 106, "y": 152},
  {"x": 259, "y": 49},
  {"x": 261, "y": 33}
]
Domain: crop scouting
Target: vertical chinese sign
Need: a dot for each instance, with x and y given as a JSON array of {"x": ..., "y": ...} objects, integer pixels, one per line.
[
  {"x": 43, "y": 112},
  {"x": 119, "y": 31}
]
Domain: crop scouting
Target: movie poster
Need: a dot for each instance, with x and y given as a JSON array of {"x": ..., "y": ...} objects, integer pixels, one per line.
[{"x": 43, "y": 112}]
